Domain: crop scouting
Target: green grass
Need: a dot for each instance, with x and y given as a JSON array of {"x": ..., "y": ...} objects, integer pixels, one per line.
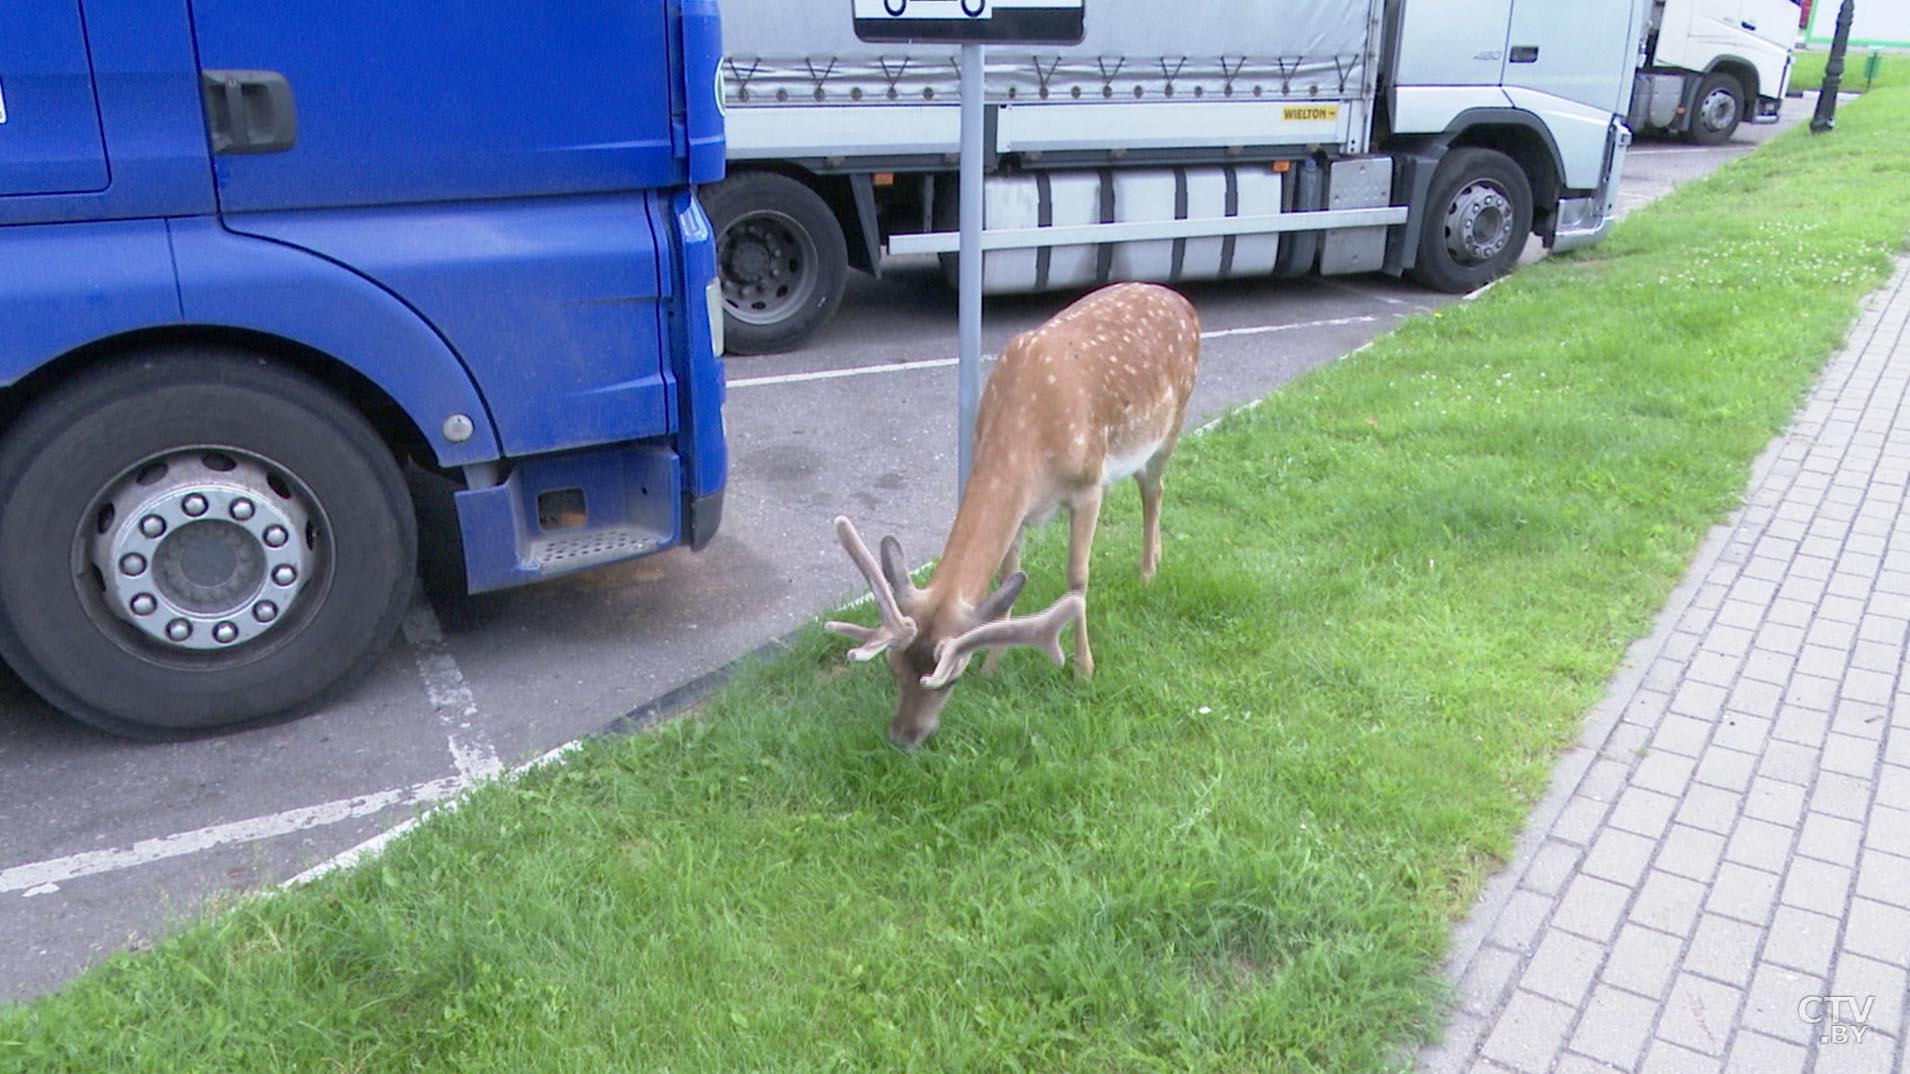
[
  {"x": 1807, "y": 71},
  {"x": 1389, "y": 594}
]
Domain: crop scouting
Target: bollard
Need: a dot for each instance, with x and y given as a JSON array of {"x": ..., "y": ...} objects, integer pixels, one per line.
[{"x": 1826, "y": 115}]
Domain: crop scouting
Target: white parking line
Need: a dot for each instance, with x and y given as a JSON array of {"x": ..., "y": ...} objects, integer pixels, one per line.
[
  {"x": 377, "y": 843},
  {"x": 943, "y": 363},
  {"x": 471, "y": 749},
  {"x": 43, "y": 877}
]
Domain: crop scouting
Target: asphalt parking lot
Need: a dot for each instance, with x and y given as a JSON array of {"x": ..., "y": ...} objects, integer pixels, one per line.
[{"x": 105, "y": 843}]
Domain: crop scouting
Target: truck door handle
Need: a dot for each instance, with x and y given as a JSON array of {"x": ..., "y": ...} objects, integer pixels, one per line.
[
  {"x": 1524, "y": 54},
  {"x": 249, "y": 111},
  {"x": 1747, "y": 24}
]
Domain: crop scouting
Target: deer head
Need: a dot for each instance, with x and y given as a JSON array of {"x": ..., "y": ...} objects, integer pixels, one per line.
[
  {"x": 928, "y": 642},
  {"x": 1094, "y": 395}
]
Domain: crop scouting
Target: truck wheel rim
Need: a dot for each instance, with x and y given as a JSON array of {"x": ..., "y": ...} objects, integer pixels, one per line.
[
  {"x": 767, "y": 264},
  {"x": 203, "y": 549},
  {"x": 1478, "y": 223},
  {"x": 1718, "y": 110}
]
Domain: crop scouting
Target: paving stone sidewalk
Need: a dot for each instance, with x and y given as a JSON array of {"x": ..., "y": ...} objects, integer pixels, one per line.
[{"x": 1719, "y": 878}]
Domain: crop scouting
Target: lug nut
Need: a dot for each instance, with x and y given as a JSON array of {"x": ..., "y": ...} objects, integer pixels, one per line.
[
  {"x": 225, "y": 633},
  {"x": 132, "y": 564},
  {"x": 144, "y": 604},
  {"x": 152, "y": 526},
  {"x": 194, "y": 505},
  {"x": 275, "y": 536},
  {"x": 284, "y": 574},
  {"x": 179, "y": 630},
  {"x": 241, "y": 510},
  {"x": 265, "y": 611}
]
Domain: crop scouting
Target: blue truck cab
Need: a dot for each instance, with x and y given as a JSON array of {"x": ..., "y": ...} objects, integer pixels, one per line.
[{"x": 256, "y": 258}]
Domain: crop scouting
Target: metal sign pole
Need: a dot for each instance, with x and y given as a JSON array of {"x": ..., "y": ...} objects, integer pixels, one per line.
[
  {"x": 969, "y": 23},
  {"x": 969, "y": 278}
]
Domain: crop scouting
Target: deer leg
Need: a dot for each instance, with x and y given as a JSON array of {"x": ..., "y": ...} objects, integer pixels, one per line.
[
  {"x": 1084, "y": 513},
  {"x": 1149, "y": 478},
  {"x": 1010, "y": 563}
]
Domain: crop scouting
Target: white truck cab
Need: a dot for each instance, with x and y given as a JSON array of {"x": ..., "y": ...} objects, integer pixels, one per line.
[{"x": 1712, "y": 64}]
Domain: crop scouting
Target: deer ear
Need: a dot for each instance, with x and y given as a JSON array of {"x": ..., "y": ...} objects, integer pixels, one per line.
[
  {"x": 1002, "y": 600},
  {"x": 895, "y": 568}
]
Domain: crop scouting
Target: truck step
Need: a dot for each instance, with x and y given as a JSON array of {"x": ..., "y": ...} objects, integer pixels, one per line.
[{"x": 554, "y": 555}]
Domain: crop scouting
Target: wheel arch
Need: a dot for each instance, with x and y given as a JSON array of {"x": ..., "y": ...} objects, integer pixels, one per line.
[
  {"x": 1739, "y": 68},
  {"x": 1517, "y": 134},
  {"x": 84, "y": 657},
  {"x": 392, "y": 422},
  {"x": 1530, "y": 145}
]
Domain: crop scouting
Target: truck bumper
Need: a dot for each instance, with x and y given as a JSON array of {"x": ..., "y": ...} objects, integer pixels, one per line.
[
  {"x": 565, "y": 512},
  {"x": 1585, "y": 221},
  {"x": 701, "y": 516}
]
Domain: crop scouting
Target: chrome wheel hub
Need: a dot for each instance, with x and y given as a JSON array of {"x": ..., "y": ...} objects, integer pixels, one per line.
[
  {"x": 1718, "y": 110},
  {"x": 1478, "y": 223},
  {"x": 202, "y": 549},
  {"x": 764, "y": 261}
]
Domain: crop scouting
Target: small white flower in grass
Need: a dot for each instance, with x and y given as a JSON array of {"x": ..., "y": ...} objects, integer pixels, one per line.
[{"x": 1205, "y": 709}]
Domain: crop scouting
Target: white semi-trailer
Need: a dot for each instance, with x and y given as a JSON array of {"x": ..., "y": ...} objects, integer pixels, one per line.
[
  {"x": 1204, "y": 139},
  {"x": 1712, "y": 64}
]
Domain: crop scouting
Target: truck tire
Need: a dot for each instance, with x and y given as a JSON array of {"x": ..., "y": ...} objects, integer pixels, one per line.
[
  {"x": 1717, "y": 110},
  {"x": 1477, "y": 218},
  {"x": 782, "y": 258},
  {"x": 195, "y": 540}
]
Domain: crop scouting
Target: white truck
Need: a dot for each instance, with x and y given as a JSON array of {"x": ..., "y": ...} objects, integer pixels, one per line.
[
  {"x": 1204, "y": 139},
  {"x": 1712, "y": 64}
]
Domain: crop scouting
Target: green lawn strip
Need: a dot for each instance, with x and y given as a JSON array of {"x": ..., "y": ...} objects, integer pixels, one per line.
[
  {"x": 1388, "y": 596},
  {"x": 1807, "y": 71}
]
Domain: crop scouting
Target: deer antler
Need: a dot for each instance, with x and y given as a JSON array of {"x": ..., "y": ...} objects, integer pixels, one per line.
[
  {"x": 1041, "y": 631},
  {"x": 896, "y": 628}
]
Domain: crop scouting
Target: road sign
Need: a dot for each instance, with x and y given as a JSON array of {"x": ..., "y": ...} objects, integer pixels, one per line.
[
  {"x": 1027, "y": 22},
  {"x": 973, "y": 24}
]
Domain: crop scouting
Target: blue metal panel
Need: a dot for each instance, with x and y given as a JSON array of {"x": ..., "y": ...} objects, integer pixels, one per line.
[
  {"x": 249, "y": 283},
  {"x": 552, "y": 303},
  {"x": 424, "y": 102},
  {"x": 49, "y": 128},
  {"x": 699, "y": 374},
  {"x": 67, "y": 285},
  {"x": 147, "y": 87},
  {"x": 633, "y": 502},
  {"x": 702, "y": 60}
]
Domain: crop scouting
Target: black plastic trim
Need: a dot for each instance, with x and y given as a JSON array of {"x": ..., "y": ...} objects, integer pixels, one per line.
[{"x": 701, "y": 517}]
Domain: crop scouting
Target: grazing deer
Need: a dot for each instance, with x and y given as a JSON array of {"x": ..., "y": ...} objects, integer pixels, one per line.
[{"x": 1096, "y": 394}]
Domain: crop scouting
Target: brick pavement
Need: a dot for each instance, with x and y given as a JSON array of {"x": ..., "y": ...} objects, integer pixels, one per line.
[{"x": 1727, "y": 847}]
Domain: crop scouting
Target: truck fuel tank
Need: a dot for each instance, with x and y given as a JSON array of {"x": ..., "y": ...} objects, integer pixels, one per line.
[{"x": 1132, "y": 195}]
